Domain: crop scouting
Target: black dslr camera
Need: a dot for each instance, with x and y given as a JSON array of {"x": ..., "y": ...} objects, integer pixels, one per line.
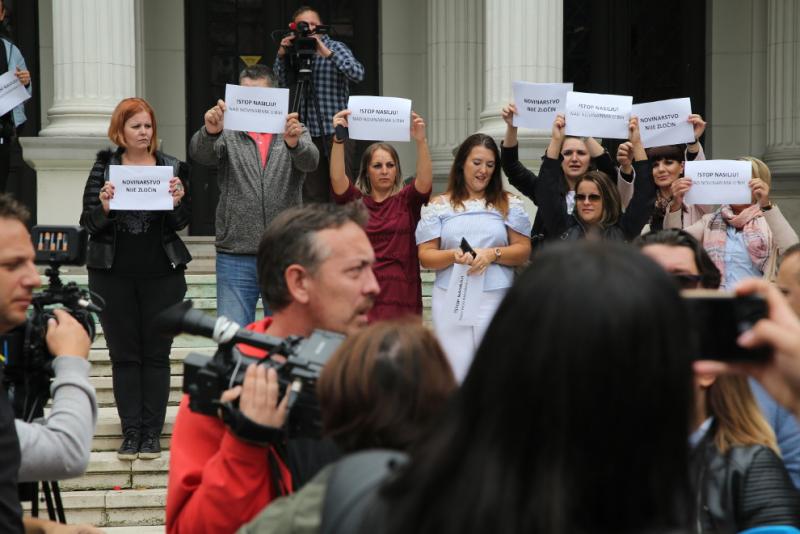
[
  {"x": 205, "y": 378},
  {"x": 28, "y": 362}
]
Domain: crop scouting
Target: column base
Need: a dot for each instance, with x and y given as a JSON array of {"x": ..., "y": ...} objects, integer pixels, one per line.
[
  {"x": 62, "y": 165},
  {"x": 783, "y": 161}
]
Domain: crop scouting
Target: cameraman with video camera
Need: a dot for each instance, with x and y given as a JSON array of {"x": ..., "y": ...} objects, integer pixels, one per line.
[
  {"x": 315, "y": 270},
  {"x": 58, "y": 448},
  {"x": 333, "y": 68}
]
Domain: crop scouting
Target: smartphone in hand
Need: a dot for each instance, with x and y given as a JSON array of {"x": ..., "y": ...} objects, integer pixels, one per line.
[
  {"x": 717, "y": 319},
  {"x": 465, "y": 248}
]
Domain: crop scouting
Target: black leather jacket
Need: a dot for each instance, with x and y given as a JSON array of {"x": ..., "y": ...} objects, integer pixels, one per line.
[
  {"x": 102, "y": 229},
  {"x": 745, "y": 488}
]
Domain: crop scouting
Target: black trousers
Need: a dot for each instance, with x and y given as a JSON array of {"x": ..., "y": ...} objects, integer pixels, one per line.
[
  {"x": 139, "y": 355},
  {"x": 317, "y": 187}
]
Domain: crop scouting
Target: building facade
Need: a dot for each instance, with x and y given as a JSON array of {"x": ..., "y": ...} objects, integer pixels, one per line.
[{"x": 739, "y": 60}]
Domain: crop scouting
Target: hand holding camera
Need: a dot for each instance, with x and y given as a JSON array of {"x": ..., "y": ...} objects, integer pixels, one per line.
[{"x": 66, "y": 336}]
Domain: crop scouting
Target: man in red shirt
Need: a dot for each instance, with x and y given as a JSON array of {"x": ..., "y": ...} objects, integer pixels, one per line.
[{"x": 315, "y": 271}]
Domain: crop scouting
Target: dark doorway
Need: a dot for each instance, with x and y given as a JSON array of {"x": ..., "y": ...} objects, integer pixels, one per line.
[
  {"x": 23, "y": 31},
  {"x": 220, "y": 33},
  {"x": 649, "y": 50}
]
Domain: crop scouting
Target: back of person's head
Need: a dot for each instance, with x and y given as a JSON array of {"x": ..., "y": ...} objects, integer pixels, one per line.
[
  {"x": 384, "y": 387},
  {"x": 671, "y": 152},
  {"x": 612, "y": 203},
  {"x": 739, "y": 421},
  {"x": 127, "y": 108},
  {"x": 759, "y": 169},
  {"x": 12, "y": 210},
  {"x": 791, "y": 251},
  {"x": 710, "y": 277},
  {"x": 258, "y": 72},
  {"x": 291, "y": 238},
  {"x": 574, "y": 416}
]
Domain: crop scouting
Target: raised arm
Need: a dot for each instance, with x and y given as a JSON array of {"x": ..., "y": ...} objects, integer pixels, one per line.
[
  {"x": 340, "y": 182},
  {"x": 556, "y": 137},
  {"x": 644, "y": 193},
  {"x": 518, "y": 175},
  {"x": 424, "y": 179}
]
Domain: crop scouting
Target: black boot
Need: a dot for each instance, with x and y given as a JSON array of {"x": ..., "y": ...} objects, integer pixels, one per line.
[{"x": 131, "y": 440}]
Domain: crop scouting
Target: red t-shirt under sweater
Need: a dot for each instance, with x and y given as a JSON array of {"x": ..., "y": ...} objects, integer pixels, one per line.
[{"x": 390, "y": 229}]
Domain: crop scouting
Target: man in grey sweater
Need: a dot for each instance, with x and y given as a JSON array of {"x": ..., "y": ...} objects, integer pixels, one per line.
[
  {"x": 259, "y": 175},
  {"x": 58, "y": 447}
]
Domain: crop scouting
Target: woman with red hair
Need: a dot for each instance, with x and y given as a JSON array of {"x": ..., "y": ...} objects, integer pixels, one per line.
[{"x": 136, "y": 262}]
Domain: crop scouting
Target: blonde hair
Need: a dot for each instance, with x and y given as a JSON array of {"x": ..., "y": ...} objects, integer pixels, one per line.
[
  {"x": 760, "y": 169},
  {"x": 739, "y": 420}
]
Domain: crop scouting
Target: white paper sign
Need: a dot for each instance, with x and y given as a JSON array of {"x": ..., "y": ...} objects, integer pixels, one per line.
[
  {"x": 140, "y": 187},
  {"x": 596, "y": 115},
  {"x": 380, "y": 118},
  {"x": 256, "y": 109},
  {"x": 665, "y": 122},
  {"x": 539, "y": 103},
  {"x": 463, "y": 299},
  {"x": 718, "y": 181},
  {"x": 12, "y": 92}
]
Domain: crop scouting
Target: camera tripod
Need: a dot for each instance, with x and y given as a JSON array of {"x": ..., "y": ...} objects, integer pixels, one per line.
[{"x": 304, "y": 93}]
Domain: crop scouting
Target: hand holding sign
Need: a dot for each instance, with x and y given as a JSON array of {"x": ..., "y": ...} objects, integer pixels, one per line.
[
  {"x": 760, "y": 190},
  {"x": 417, "y": 128},
  {"x": 214, "y": 118},
  {"x": 106, "y": 194},
  {"x": 293, "y": 130},
  {"x": 508, "y": 113},
  {"x": 177, "y": 191},
  {"x": 698, "y": 125}
]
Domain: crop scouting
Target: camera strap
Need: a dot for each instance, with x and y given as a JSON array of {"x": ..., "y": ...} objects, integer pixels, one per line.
[{"x": 247, "y": 429}]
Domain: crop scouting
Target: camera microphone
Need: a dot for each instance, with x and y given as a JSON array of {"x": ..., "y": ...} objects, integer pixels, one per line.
[{"x": 182, "y": 317}]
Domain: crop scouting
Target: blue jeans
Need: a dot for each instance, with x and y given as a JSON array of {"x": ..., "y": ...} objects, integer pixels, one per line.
[{"x": 237, "y": 288}]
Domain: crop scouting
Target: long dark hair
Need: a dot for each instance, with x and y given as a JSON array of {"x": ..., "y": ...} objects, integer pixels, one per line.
[
  {"x": 574, "y": 416},
  {"x": 457, "y": 188}
]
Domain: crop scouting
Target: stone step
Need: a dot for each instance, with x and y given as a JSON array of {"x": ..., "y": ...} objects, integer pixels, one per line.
[
  {"x": 110, "y": 508},
  {"x": 106, "y": 472},
  {"x": 101, "y": 364},
  {"x": 157, "y": 529},
  {"x": 108, "y": 435}
]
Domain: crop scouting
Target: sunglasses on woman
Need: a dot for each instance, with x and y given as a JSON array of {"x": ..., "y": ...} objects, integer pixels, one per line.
[{"x": 592, "y": 197}]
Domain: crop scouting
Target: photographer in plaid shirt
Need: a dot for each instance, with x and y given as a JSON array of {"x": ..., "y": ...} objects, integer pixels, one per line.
[{"x": 334, "y": 68}]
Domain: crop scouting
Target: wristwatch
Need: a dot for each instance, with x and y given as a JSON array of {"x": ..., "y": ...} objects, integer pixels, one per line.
[{"x": 497, "y": 254}]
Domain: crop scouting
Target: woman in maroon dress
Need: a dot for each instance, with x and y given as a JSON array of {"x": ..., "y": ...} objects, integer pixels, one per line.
[{"x": 394, "y": 211}]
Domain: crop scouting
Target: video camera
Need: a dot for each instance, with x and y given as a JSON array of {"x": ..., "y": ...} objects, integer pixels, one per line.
[
  {"x": 205, "y": 378},
  {"x": 28, "y": 362}
]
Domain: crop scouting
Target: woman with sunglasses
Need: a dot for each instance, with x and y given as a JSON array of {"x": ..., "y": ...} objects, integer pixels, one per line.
[
  {"x": 743, "y": 240},
  {"x": 598, "y": 207}
]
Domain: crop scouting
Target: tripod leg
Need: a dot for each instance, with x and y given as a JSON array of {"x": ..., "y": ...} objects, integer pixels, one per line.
[
  {"x": 48, "y": 497},
  {"x": 35, "y": 501},
  {"x": 312, "y": 97},
  {"x": 298, "y": 96},
  {"x": 62, "y": 518}
]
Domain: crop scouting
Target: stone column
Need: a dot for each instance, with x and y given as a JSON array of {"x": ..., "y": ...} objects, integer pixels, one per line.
[
  {"x": 524, "y": 41},
  {"x": 783, "y": 103},
  {"x": 94, "y": 67},
  {"x": 455, "y": 83}
]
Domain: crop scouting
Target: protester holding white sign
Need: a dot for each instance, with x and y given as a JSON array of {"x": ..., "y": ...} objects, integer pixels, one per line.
[
  {"x": 567, "y": 159},
  {"x": 596, "y": 115},
  {"x": 394, "y": 211},
  {"x": 136, "y": 262},
  {"x": 667, "y": 163},
  {"x": 475, "y": 223},
  {"x": 539, "y": 103},
  {"x": 256, "y": 109},
  {"x": 379, "y": 117},
  {"x": 744, "y": 239},
  {"x": 598, "y": 208},
  {"x": 13, "y": 65},
  {"x": 259, "y": 176}
]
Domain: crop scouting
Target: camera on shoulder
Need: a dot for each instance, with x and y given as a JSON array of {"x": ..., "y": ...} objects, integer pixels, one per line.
[{"x": 28, "y": 363}]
